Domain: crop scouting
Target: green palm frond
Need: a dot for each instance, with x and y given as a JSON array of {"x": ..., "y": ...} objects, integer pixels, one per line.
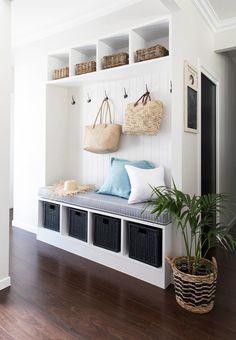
[{"x": 192, "y": 214}]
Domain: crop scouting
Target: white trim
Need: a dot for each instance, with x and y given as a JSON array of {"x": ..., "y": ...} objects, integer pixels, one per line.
[
  {"x": 4, "y": 283},
  {"x": 205, "y": 70},
  {"x": 69, "y": 24},
  {"x": 24, "y": 226},
  {"x": 212, "y": 19}
]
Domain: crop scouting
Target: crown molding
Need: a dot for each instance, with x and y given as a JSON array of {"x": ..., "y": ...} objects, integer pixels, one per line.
[
  {"x": 212, "y": 18},
  {"x": 70, "y": 24}
]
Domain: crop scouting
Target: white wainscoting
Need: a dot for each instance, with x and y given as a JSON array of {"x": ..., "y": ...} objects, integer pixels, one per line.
[{"x": 93, "y": 168}]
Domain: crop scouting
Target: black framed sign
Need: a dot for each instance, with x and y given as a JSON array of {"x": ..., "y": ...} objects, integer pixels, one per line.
[{"x": 191, "y": 99}]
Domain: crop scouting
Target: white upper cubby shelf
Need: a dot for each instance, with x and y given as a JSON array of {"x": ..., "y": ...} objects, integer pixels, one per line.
[
  {"x": 147, "y": 36},
  {"x": 58, "y": 60},
  {"x": 129, "y": 42},
  {"x": 82, "y": 54},
  {"x": 112, "y": 45}
]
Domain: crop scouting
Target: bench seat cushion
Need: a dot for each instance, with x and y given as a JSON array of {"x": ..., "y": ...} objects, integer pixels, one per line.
[{"x": 109, "y": 204}]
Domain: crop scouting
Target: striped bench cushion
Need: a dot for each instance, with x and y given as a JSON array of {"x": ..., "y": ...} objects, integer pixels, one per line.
[{"x": 109, "y": 204}]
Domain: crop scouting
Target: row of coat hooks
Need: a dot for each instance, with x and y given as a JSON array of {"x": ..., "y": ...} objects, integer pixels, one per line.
[{"x": 73, "y": 102}]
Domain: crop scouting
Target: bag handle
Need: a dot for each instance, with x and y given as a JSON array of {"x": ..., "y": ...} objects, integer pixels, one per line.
[
  {"x": 145, "y": 97},
  {"x": 103, "y": 111},
  {"x": 108, "y": 113}
]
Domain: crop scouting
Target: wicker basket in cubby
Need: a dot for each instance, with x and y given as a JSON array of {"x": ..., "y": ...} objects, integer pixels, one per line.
[
  {"x": 61, "y": 73},
  {"x": 115, "y": 60},
  {"x": 152, "y": 52},
  {"x": 86, "y": 67}
]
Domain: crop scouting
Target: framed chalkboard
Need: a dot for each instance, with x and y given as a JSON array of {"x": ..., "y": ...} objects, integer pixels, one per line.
[{"x": 191, "y": 99}]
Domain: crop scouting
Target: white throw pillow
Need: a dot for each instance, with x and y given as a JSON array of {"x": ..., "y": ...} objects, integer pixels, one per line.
[{"x": 141, "y": 180}]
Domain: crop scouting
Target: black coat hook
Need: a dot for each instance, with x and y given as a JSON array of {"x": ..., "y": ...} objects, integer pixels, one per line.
[
  {"x": 73, "y": 100},
  {"x": 147, "y": 89},
  {"x": 125, "y": 93},
  {"x": 89, "y": 99},
  {"x": 106, "y": 97}
]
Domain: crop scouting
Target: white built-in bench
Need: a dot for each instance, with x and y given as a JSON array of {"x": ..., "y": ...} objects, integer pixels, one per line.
[{"x": 94, "y": 210}]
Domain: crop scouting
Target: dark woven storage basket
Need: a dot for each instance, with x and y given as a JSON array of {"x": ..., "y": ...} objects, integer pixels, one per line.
[
  {"x": 78, "y": 221},
  {"x": 145, "y": 244},
  {"x": 115, "y": 60},
  {"x": 107, "y": 232},
  {"x": 86, "y": 67},
  {"x": 61, "y": 73},
  {"x": 51, "y": 216},
  {"x": 195, "y": 293},
  {"x": 153, "y": 52}
]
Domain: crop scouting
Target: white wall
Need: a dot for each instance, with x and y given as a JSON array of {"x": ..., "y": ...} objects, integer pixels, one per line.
[{"x": 4, "y": 140}]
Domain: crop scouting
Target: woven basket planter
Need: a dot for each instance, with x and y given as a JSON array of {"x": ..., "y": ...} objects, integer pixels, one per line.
[
  {"x": 195, "y": 293},
  {"x": 86, "y": 67},
  {"x": 60, "y": 73},
  {"x": 153, "y": 52},
  {"x": 115, "y": 60}
]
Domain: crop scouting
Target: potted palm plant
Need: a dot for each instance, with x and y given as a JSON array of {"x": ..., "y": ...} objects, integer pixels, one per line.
[{"x": 194, "y": 275}]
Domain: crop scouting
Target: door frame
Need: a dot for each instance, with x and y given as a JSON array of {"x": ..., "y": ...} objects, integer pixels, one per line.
[{"x": 205, "y": 70}]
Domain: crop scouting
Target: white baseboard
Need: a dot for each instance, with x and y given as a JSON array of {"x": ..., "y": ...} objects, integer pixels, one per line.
[
  {"x": 4, "y": 283},
  {"x": 24, "y": 226}
]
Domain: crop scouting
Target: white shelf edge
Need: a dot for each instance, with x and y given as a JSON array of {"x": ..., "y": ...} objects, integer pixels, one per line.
[{"x": 107, "y": 74}]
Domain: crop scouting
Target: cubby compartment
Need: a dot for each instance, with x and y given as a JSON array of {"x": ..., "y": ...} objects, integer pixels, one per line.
[
  {"x": 145, "y": 244},
  {"x": 58, "y": 61},
  {"x": 112, "y": 46},
  {"x": 51, "y": 216},
  {"x": 107, "y": 232},
  {"x": 78, "y": 224},
  {"x": 85, "y": 56},
  {"x": 148, "y": 36}
]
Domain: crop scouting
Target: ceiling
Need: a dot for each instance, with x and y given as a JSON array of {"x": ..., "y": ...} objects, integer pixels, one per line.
[
  {"x": 219, "y": 14},
  {"x": 224, "y": 9},
  {"x": 37, "y": 19}
]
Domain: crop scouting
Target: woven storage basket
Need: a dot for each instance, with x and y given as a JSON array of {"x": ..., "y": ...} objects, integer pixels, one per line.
[
  {"x": 61, "y": 73},
  {"x": 115, "y": 60},
  {"x": 195, "y": 293},
  {"x": 153, "y": 52},
  {"x": 86, "y": 67}
]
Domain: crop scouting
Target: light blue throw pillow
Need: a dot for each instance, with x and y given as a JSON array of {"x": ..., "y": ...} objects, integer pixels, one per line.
[{"x": 117, "y": 182}]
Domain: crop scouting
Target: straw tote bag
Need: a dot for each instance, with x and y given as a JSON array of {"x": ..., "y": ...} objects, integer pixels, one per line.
[
  {"x": 103, "y": 137},
  {"x": 143, "y": 117}
]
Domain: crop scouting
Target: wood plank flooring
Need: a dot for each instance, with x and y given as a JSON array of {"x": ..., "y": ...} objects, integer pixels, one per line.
[{"x": 57, "y": 295}]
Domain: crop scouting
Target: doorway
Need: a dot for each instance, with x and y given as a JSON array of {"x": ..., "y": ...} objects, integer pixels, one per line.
[
  {"x": 208, "y": 135},
  {"x": 208, "y": 143}
]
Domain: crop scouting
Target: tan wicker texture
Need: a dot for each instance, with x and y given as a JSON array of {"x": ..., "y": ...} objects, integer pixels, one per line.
[
  {"x": 143, "y": 117},
  {"x": 86, "y": 67},
  {"x": 152, "y": 52},
  {"x": 115, "y": 60},
  {"x": 60, "y": 73},
  {"x": 194, "y": 293}
]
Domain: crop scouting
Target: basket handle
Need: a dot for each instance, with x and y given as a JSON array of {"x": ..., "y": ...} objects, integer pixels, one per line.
[
  {"x": 104, "y": 112},
  {"x": 145, "y": 97}
]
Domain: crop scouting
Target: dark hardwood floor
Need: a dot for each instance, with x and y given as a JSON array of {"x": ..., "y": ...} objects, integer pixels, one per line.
[{"x": 57, "y": 295}]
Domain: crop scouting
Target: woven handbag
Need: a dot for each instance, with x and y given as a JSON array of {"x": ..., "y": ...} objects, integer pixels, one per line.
[
  {"x": 103, "y": 137},
  {"x": 143, "y": 117}
]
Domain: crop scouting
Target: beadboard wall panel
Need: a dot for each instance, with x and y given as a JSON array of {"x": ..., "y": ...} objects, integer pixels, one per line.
[{"x": 93, "y": 168}]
